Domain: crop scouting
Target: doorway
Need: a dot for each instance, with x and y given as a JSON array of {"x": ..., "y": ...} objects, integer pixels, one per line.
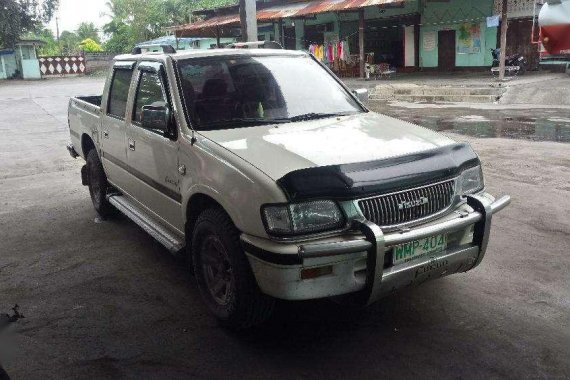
[
  {"x": 289, "y": 41},
  {"x": 446, "y": 50}
]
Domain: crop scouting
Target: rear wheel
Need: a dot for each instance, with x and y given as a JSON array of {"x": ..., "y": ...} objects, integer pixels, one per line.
[
  {"x": 98, "y": 185},
  {"x": 223, "y": 273}
]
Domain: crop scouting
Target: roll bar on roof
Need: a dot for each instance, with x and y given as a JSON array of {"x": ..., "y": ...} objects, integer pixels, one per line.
[
  {"x": 166, "y": 49},
  {"x": 255, "y": 44}
]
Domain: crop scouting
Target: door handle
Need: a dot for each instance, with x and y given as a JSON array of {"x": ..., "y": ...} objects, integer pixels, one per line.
[
  {"x": 105, "y": 134},
  {"x": 131, "y": 145}
]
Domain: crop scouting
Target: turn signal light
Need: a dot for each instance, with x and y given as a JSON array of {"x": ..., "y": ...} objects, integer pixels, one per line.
[{"x": 309, "y": 273}]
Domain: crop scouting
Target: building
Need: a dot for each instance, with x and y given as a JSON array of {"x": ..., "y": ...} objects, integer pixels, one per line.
[
  {"x": 20, "y": 62},
  {"x": 523, "y": 30},
  {"x": 407, "y": 34}
]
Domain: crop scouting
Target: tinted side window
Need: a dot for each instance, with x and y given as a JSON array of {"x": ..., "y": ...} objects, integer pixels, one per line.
[
  {"x": 149, "y": 93},
  {"x": 119, "y": 93}
]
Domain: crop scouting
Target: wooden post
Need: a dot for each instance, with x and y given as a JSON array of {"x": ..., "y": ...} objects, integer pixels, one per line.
[
  {"x": 417, "y": 44},
  {"x": 504, "y": 28},
  {"x": 218, "y": 36},
  {"x": 361, "y": 41},
  {"x": 248, "y": 20},
  {"x": 57, "y": 35},
  {"x": 281, "y": 34}
]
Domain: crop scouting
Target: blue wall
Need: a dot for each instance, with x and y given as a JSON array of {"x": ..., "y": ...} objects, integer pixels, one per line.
[{"x": 450, "y": 16}]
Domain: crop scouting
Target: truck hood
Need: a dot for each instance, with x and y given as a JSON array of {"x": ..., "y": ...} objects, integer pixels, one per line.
[{"x": 284, "y": 148}]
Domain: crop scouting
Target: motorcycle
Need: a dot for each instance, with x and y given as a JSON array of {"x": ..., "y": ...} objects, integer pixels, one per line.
[{"x": 514, "y": 64}]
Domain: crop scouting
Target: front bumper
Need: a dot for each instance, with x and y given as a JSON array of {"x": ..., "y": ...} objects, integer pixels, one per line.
[{"x": 361, "y": 261}]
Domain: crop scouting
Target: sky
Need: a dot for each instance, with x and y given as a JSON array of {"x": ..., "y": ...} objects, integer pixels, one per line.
[{"x": 73, "y": 12}]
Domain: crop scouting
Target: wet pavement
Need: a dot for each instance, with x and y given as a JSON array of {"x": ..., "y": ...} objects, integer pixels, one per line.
[{"x": 525, "y": 124}]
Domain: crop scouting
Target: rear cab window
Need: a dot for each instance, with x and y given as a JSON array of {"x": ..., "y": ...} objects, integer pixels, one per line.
[{"x": 119, "y": 92}]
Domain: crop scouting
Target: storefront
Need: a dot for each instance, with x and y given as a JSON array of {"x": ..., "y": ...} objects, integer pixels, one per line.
[
  {"x": 454, "y": 34},
  {"x": 391, "y": 34},
  {"x": 407, "y": 35},
  {"x": 522, "y": 25}
]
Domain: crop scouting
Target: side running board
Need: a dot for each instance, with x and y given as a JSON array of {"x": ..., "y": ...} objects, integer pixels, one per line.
[{"x": 172, "y": 242}]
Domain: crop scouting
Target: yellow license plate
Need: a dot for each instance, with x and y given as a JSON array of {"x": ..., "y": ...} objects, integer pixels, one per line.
[{"x": 418, "y": 248}]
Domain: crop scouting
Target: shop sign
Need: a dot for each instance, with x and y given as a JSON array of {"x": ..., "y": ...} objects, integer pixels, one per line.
[
  {"x": 430, "y": 39},
  {"x": 469, "y": 40}
]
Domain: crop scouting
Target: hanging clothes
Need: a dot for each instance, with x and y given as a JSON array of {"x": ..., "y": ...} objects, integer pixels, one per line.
[{"x": 346, "y": 51}]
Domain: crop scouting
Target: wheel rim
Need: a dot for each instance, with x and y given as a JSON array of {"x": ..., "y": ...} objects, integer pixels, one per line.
[{"x": 217, "y": 270}]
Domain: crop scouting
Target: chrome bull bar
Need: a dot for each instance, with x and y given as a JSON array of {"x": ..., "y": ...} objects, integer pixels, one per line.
[{"x": 380, "y": 282}]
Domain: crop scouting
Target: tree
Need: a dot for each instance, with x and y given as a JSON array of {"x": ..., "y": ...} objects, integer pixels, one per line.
[
  {"x": 19, "y": 17},
  {"x": 87, "y": 30},
  {"x": 69, "y": 42},
  {"x": 132, "y": 23},
  {"x": 90, "y": 46},
  {"x": 50, "y": 44}
]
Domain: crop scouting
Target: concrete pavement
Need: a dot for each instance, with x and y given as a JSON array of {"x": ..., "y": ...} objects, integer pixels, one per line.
[
  {"x": 540, "y": 89},
  {"x": 105, "y": 300}
]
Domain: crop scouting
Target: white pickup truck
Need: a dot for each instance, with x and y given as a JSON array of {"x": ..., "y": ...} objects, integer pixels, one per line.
[{"x": 276, "y": 181}]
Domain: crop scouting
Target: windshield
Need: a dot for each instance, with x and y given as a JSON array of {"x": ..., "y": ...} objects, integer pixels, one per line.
[{"x": 234, "y": 92}]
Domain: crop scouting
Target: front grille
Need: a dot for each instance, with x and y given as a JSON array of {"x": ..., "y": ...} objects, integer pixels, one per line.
[{"x": 409, "y": 205}]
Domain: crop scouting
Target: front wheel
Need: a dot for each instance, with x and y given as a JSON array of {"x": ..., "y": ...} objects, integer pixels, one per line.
[{"x": 224, "y": 275}]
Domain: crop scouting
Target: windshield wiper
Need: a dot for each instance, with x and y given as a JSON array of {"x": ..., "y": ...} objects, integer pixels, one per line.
[
  {"x": 315, "y": 116},
  {"x": 241, "y": 121}
]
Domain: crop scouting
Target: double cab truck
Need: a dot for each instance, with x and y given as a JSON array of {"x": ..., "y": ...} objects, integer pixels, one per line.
[{"x": 276, "y": 180}]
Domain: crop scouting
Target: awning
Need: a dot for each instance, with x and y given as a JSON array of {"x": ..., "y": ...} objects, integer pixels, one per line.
[{"x": 293, "y": 10}]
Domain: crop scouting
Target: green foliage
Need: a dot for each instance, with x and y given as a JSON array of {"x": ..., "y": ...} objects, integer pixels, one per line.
[
  {"x": 69, "y": 42},
  {"x": 132, "y": 23},
  {"x": 50, "y": 44},
  {"x": 19, "y": 17},
  {"x": 87, "y": 30},
  {"x": 90, "y": 46}
]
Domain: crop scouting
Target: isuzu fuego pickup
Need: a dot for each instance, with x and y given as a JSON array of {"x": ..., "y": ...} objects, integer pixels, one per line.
[{"x": 276, "y": 180}]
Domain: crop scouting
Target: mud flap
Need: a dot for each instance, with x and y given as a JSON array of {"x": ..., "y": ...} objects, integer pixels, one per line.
[{"x": 84, "y": 176}]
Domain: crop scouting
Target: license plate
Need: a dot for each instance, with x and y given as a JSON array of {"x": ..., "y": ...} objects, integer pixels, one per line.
[{"x": 418, "y": 248}]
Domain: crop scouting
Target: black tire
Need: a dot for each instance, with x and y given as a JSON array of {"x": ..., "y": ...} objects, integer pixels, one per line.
[
  {"x": 217, "y": 257},
  {"x": 98, "y": 186},
  {"x": 3, "y": 374}
]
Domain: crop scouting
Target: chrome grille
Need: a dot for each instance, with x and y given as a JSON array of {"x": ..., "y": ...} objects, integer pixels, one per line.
[{"x": 409, "y": 205}]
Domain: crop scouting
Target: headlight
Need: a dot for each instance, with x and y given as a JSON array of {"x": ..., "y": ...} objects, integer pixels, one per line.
[
  {"x": 471, "y": 181},
  {"x": 302, "y": 218}
]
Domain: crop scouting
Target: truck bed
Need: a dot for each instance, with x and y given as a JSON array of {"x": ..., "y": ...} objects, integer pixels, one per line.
[
  {"x": 95, "y": 100},
  {"x": 84, "y": 119}
]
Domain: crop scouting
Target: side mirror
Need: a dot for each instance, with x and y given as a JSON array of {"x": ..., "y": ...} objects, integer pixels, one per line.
[
  {"x": 156, "y": 118},
  {"x": 362, "y": 95}
]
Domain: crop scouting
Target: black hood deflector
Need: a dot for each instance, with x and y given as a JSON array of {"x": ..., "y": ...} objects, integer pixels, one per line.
[{"x": 358, "y": 180}]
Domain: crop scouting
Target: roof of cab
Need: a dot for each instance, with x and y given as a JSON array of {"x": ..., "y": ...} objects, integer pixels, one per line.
[{"x": 185, "y": 54}]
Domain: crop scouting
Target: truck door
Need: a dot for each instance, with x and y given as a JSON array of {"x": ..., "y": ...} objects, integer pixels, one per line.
[
  {"x": 152, "y": 157},
  {"x": 113, "y": 135}
]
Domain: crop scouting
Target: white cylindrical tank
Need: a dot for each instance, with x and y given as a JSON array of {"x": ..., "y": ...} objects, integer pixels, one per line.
[{"x": 554, "y": 21}]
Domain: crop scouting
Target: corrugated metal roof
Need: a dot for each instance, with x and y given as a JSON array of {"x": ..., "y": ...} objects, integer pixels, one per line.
[
  {"x": 287, "y": 11},
  {"x": 323, "y": 6}
]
